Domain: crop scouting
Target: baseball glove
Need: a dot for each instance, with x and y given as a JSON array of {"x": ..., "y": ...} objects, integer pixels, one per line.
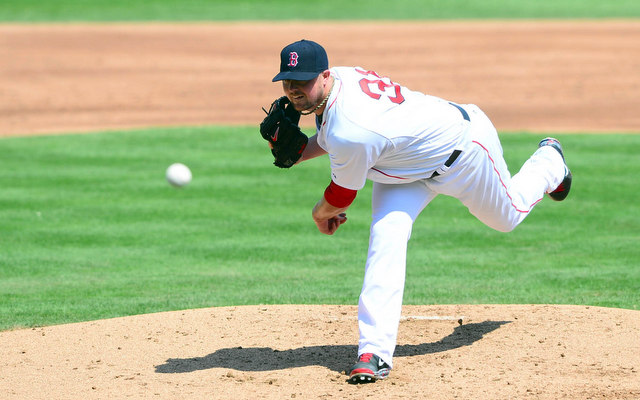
[{"x": 280, "y": 129}]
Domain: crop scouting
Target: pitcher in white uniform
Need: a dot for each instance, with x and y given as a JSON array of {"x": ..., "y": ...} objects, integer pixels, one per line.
[{"x": 413, "y": 147}]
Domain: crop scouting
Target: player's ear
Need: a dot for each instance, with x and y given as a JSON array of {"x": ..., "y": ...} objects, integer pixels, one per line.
[{"x": 325, "y": 76}]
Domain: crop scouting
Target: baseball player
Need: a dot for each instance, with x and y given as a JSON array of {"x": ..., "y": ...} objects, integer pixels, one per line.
[{"x": 413, "y": 147}]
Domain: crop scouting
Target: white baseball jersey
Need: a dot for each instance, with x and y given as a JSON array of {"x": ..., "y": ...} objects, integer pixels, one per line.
[{"x": 374, "y": 128}]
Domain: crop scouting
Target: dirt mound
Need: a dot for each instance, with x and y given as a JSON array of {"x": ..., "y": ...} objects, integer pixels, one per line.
[{"x": 294, "y": 351}]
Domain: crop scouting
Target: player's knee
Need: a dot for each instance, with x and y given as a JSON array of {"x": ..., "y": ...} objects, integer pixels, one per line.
[
  {"x": 505, "y": 226},
  {"x": 507, "y": 229},
  {"x": 502, "y": 223}
]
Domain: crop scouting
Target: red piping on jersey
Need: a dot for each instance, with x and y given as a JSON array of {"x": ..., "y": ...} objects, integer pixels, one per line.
[
  {"x": 390, "y": 176},
  {"x": 503, "y": 185},
  {"x": 333, "y": 102},
  {"x": 339, "y": 196}
]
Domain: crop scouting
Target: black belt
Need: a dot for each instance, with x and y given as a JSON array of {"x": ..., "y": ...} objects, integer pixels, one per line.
[
  {"x": 456, "y": 153},
  {"x": 464, "y": 113},
  {"x": 452, "y": 158}
]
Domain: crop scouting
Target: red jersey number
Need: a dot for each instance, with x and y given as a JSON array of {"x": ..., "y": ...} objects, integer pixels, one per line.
[{"x": 382, "y": 84}]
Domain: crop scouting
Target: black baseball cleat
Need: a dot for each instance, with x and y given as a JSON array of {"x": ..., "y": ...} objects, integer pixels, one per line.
[
  {"x": 368, "y": 369},
  {"x": 562, "y": 191}
]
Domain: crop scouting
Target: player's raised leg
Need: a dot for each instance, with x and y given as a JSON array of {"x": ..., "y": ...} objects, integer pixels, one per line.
[{"x": 482, "y": 181}]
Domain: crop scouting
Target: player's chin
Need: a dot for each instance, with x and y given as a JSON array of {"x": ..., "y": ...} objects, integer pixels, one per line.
[{"x": 300, "y": 104}]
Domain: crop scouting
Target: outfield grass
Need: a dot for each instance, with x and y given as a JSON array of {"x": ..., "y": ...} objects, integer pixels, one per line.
[
  {"x": 231, "y": 10},
  {"x": 90, "y": 229}
]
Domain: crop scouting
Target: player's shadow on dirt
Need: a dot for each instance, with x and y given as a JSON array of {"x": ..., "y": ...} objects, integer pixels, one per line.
[{"x": 335, "y": 358}]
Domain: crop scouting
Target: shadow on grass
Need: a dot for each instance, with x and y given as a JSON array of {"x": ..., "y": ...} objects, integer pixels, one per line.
[{"x": 334, "y": 357}]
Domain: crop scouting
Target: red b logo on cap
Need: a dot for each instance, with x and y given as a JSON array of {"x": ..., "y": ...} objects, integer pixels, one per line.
[{"x": 293, "y": 59}]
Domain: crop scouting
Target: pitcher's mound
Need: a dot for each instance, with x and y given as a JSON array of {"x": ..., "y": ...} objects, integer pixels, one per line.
[{"x": 296, "y": 351}]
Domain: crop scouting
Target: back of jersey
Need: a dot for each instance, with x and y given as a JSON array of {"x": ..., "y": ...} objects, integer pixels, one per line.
[
  {"x": 380, "y": 105},
  {"x": 374, "y": 128}
]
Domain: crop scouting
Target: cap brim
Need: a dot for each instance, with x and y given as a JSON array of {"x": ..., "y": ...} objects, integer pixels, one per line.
[{"x": 295, "y": 76}]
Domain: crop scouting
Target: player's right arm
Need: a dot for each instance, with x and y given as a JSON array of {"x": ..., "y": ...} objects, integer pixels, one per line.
[
  {"x": 328, "y": 217},
  {"x": 330, "y": 211}
]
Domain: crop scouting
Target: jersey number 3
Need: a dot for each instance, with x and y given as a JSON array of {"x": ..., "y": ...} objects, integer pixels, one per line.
[{"x": 374, "y": 80}]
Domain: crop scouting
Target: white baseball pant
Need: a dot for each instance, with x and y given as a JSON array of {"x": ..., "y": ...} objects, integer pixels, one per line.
[{"x": 479, "y": 178}]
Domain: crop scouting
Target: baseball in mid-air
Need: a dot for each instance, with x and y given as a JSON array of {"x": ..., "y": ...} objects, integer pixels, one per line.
[{"x": 178, "y": 175}]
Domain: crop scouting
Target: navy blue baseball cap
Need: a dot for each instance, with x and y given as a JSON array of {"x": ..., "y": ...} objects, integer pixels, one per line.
[{"x": 302, "y": 61}]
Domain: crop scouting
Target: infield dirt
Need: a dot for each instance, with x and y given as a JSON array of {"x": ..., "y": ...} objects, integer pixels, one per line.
[
  {"x": 534, "y": 76},
  {"x": 528, "y": 76}
]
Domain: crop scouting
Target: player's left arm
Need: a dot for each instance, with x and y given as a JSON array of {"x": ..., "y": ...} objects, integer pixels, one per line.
[
  {"x": 312, "y": 150},
  {"x": 330, "y": 211}
]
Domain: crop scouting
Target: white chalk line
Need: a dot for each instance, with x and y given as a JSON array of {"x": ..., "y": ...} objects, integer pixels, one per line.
[
  {"x": 420, "y": 317},
  {"x": 433, "y": 317}
]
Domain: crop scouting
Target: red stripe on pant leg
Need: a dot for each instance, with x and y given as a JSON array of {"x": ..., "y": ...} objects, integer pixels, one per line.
[{"x": 502, "y": 182}]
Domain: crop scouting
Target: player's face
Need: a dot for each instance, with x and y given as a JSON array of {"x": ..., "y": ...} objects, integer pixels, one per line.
[{"x": 304, "y": 95}]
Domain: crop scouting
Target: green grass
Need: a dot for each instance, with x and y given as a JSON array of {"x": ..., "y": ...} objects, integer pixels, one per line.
[
  {"x": 89, "y": 229},
  {"x": 230, "y": 10}
]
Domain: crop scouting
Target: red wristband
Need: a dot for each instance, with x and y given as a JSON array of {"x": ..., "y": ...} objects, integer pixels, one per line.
[{"x": 339, "y": 196}]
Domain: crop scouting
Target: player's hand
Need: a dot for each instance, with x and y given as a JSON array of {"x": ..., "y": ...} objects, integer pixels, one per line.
[
  {"x": 329, "y": 226},
  {"x": 280, "y": 128}
]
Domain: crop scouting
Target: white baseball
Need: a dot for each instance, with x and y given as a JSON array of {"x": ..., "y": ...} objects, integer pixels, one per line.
[{"x": 178, "y": 174}]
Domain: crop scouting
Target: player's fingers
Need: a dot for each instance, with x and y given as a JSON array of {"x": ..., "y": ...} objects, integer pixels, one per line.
[
  {"x": 332, "y": 224},
  {"x": 342, "y": 218}
]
